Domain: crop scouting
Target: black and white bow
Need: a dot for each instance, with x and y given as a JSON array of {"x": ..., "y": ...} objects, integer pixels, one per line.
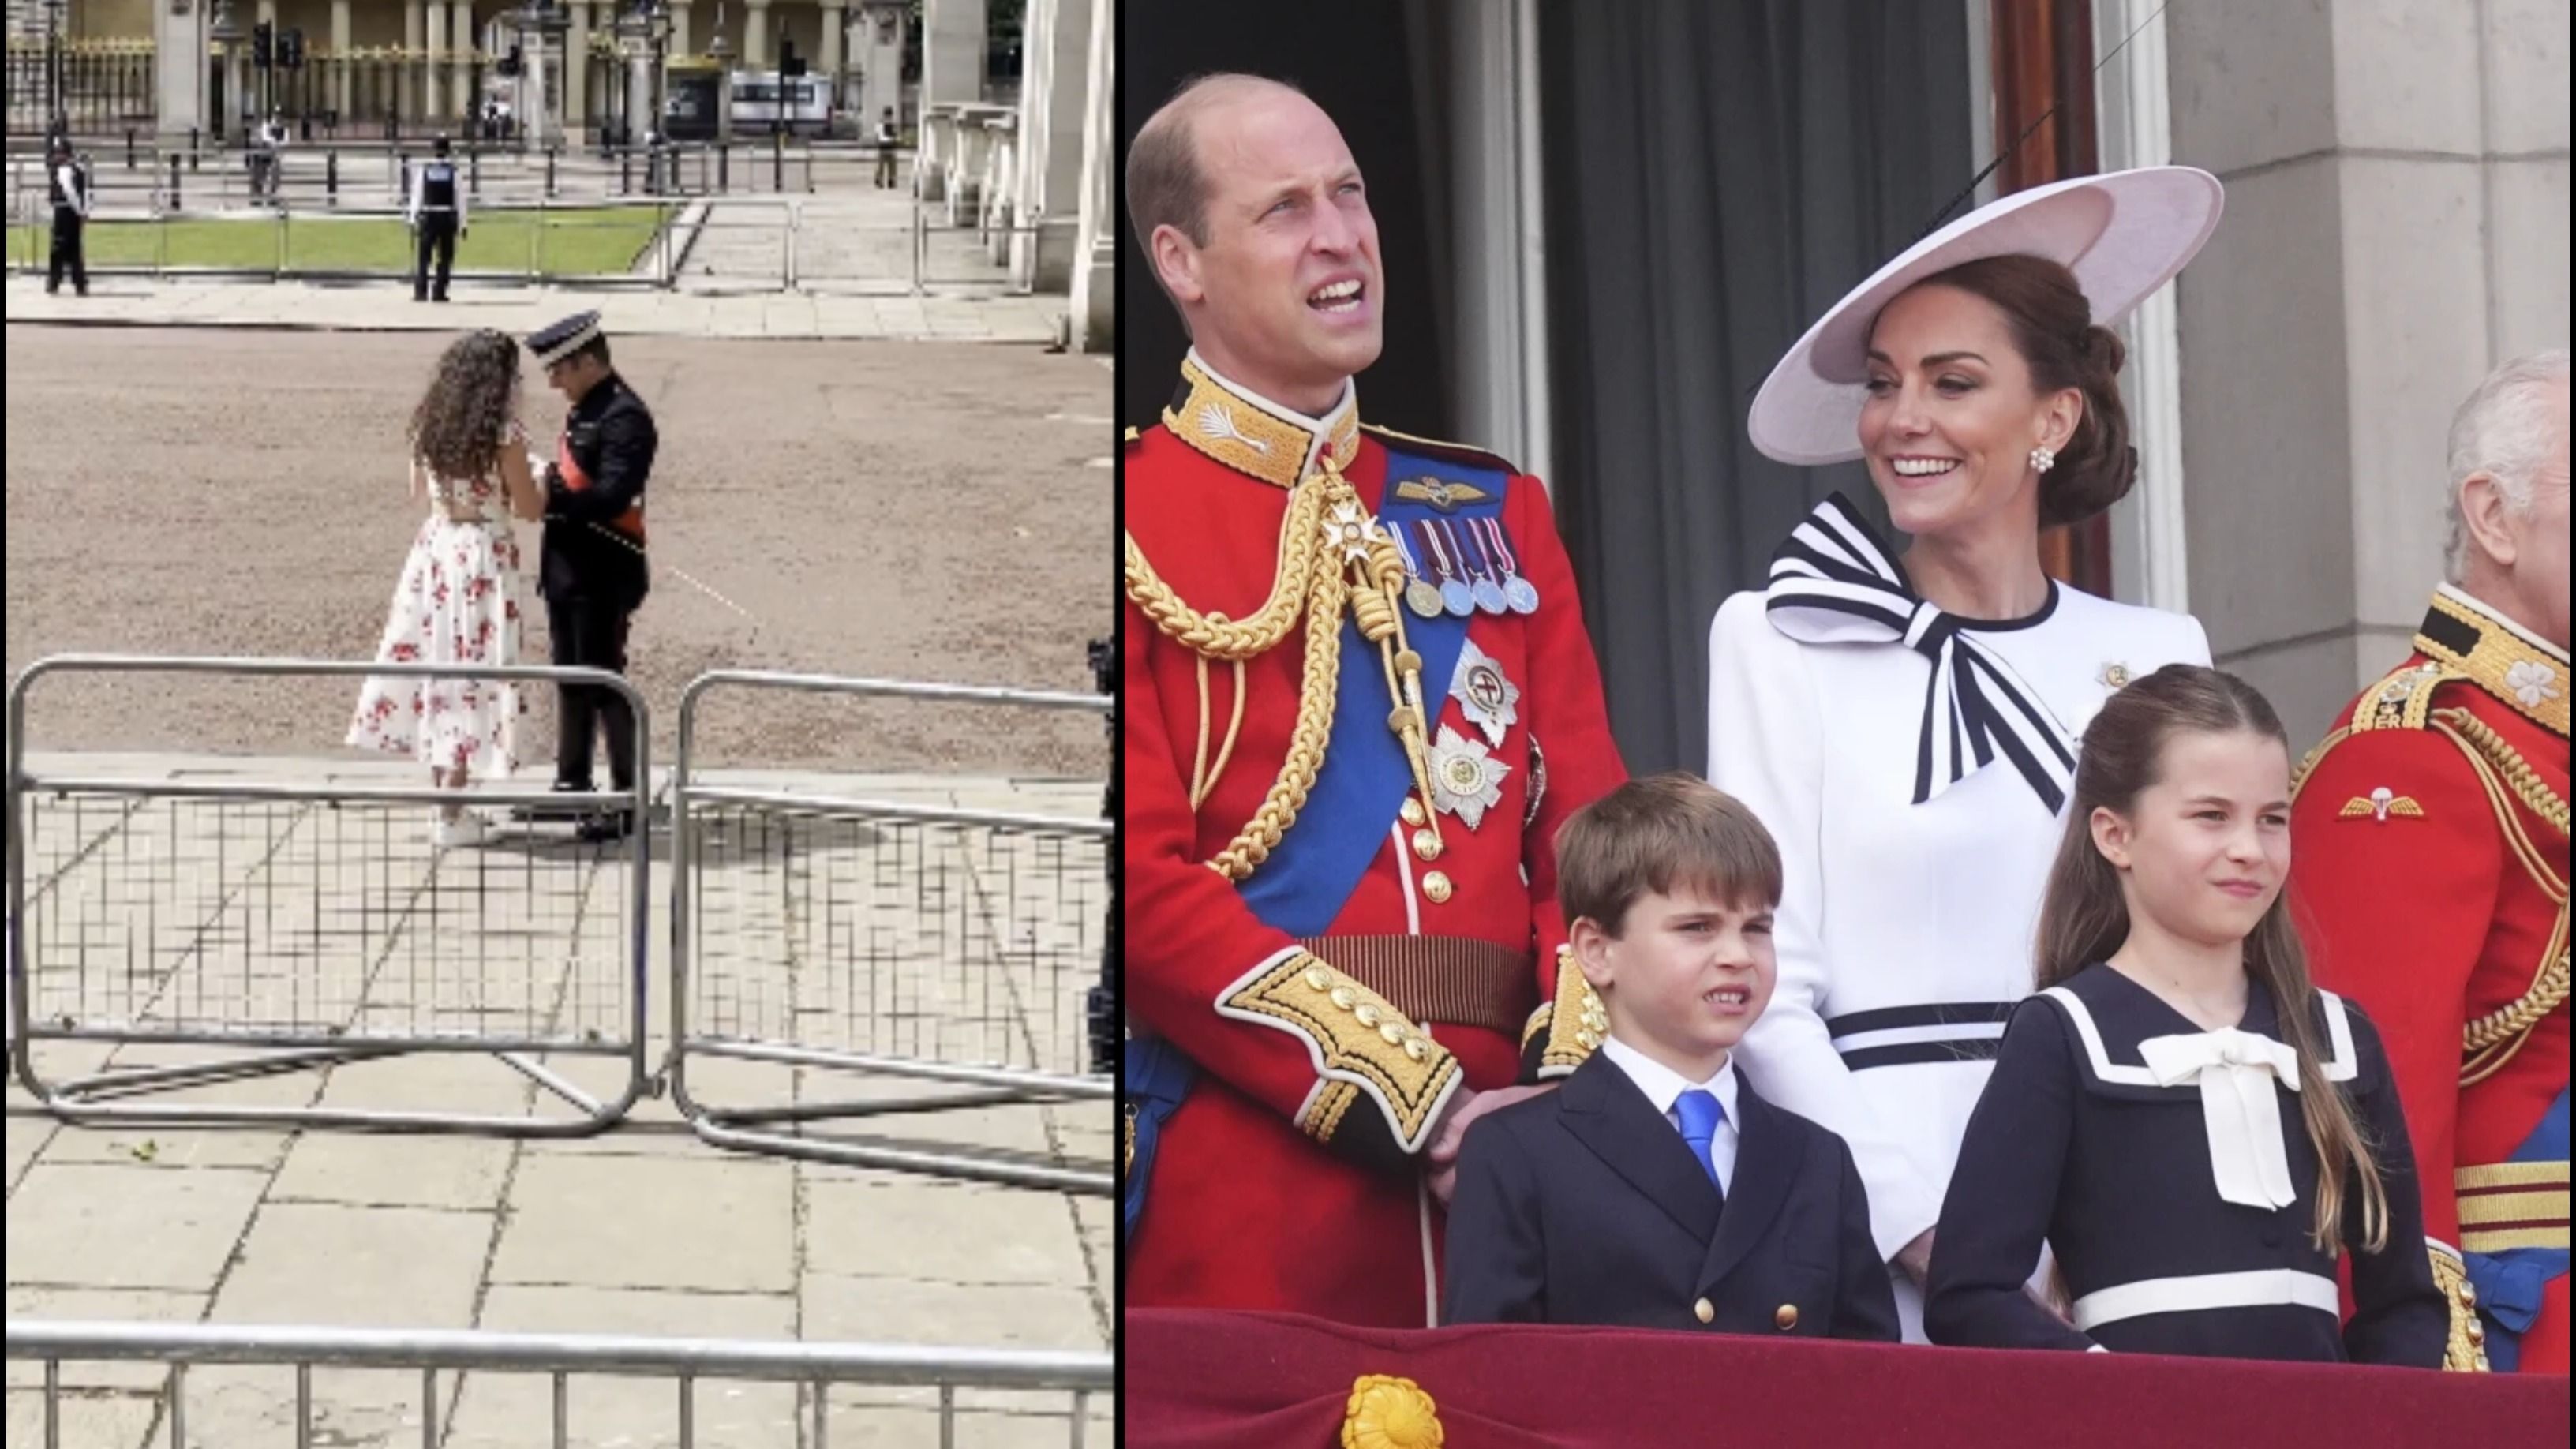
[{"x": 1834, "y": 582}]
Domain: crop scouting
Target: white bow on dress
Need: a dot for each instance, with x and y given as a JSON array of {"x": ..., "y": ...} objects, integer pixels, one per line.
[{"x": 2235, "y": 1070}]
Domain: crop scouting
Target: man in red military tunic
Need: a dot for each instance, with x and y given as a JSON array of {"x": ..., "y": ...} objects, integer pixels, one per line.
[
  {"x": 2431, "y": 855},
  {"x": 1359, "y": 699}
]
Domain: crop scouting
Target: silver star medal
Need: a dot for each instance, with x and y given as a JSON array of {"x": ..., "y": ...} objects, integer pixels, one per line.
[
  {"x": 1481, "y": 690},
  {"x": 1465, "y": 780}
]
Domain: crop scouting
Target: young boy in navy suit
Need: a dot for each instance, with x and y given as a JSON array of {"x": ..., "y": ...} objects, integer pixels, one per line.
[{"x": 1655, "y": 1188}]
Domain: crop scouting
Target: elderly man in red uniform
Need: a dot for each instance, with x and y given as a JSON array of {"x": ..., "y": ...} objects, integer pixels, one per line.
[
  {"x": 1358, "y": 701},
  {"x": 2431, "y": 835}
]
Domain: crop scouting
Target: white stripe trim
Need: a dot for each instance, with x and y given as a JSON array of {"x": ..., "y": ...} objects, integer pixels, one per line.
[
  {"x": 2342, "y": 1067},
  {"x": 1905, "y": 1035},
  {"x": 2261, "y": 1288}
]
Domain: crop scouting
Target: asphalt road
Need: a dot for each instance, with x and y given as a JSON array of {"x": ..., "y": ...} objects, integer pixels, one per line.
[{"x": 904, "y": 510}]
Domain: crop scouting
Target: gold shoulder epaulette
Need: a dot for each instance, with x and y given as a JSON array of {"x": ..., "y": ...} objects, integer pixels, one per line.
[
  {"x": 2403, "y": 699},
  {"x": 1455, "y": 452},
  {"x": 1128, "y": 441}
]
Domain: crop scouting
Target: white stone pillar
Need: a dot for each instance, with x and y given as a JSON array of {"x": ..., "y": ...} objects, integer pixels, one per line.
[
  {"x": 576, "y": 73},
  {"x": 680, "y": 29},
  {"x": 880, "y": 62},
  {"x": 433, "y": 85},
  {"x": 1054, "y": 110},
  {"x": 181, "y": 77},
  {"x": 344, "y": 83},
  {"x": 755, "y": 36},
  {"x": 952, "y": 51},
  {"x": 410, "y": 101},
  {"x": 827, "y": 59},
  {"x": 467, "y": 102},
  {"x": 1095, "y": 282}
]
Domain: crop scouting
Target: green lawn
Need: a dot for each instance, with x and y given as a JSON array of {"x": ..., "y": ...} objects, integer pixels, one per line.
[{"x": 592, "y": 242}]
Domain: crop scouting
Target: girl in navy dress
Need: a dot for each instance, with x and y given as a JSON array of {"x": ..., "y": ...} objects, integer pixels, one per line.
[{"x": 2194, "y": 1130}]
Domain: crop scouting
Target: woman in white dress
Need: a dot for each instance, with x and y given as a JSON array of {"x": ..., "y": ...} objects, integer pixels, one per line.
[
  {"x": 1906, "y": 724},
  {"x": 460, "y": 599}
]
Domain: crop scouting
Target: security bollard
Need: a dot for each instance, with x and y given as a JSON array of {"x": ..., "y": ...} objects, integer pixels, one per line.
[
  {"x": 724, "y": 168},
  {"x": 331, "y": 175},
  {"x": 174, "y": 182},
  {"x": 625, "y": 173},
  {"x": 192, "y": 148},
  {"x": 474, "y": 173},
  {"x": 550, "y": 171},
  {"x": 129, "y": 148}
]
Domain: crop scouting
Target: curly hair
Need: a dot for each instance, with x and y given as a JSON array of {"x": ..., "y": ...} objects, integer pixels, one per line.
[{"x": 458, "y": 427}]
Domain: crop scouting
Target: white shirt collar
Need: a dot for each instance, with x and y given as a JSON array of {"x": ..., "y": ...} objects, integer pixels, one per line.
[
  {"x": 2490, "y": 612},
  {"x": 1662, "y": 1085},
  {"x": 1319, "y": 431}
]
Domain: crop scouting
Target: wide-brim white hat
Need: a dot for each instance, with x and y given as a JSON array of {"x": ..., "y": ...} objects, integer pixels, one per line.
[{"x": 2123, "y": 235}]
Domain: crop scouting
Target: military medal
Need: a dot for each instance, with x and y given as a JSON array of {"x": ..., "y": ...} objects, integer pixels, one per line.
[
  {"x": 1488, "y": 594},
  {"x": 1489, "y": 699},
  {"x": 1466, "y": 781},
  {"x": 1419, "y": 594},
  {"x": 1455, "y": 596},
  {"x": 1518, "y": 592}
]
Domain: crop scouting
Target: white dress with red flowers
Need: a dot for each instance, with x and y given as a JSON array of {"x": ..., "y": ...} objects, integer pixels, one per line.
[{"x": 458, "y": 602}]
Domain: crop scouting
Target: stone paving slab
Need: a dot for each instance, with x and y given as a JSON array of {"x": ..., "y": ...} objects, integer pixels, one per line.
[{"x": 642, "y": 1229}]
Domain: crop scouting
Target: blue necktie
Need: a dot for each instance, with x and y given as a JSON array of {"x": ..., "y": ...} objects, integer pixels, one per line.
[{"x": 1700, "y": 1115}]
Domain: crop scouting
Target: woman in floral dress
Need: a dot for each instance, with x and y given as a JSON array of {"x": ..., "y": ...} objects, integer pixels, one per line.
[{"x": 459, "y": 601}]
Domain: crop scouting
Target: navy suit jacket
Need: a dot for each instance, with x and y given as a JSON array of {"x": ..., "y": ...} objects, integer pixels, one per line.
[{"x": 1585, "y": 1206}]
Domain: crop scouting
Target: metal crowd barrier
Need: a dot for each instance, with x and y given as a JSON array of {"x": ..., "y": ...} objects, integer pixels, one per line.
[
  {"x": 812, "y": 1367},
  {"x": 883, "y": 938},
  {"x": 312, "y": 926}
]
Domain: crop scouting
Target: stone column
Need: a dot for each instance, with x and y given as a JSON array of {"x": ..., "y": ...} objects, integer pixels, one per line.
[
  {"x": 1095, "y": 279},
  {"x": 1053, "y": 113},
  {"x": 433, "y": 84},
  {"x": 344, "y": 92},
  {"x": 463, "y": 50},
  {"x": 952, "y": 51},
  {"x": 680, "y": 29},
  {"x": 181, "y": 77},
  {"x": 409, "y": 101},
  {"x": 880, "y": 61},
  {"x": 755, "y": 36},
  {"x": 2427, "y": 161},
  {"x": 827, "y": 59},
  {"x": 576, "y": 73}
]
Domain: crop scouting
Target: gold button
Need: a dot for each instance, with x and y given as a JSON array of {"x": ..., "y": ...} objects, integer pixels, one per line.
[
  {"x": 1426, "y": 843},
  {"x": 1435, "y": 887},
  {"x": 1702, "y": 1311},
  {"x": 1412, "y": 812},
  {"x": 1786, "y": 1316},
  {"x": 2468, "y": 1294},
  {"x": 1367, "y": 1013},
  {"x": 2477, "y": 1333},
  {"x": 1394, "y": 1034},
  {"x": 1416, "y": 1048},
  {"x": 1342, "y": 997},
  {"x": 1318, "y": 978}
]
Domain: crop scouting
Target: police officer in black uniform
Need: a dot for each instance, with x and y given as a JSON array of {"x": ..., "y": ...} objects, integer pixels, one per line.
[
  {"x": 67, "y": 183},
  {"x": 591, "y": 568},
  {"x": 436, "y": 212}
]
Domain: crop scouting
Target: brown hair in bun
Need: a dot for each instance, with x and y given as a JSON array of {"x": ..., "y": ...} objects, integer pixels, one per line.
[{"x": 2052, "y": 324}]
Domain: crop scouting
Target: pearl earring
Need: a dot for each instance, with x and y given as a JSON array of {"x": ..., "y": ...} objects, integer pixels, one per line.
[{"x": 2042, "y": 458}]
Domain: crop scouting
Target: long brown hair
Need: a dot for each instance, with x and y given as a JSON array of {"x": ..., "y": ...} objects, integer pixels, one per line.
[
  {"x": 458, "y": 426},
  {"x": 2085, "y": 916}
]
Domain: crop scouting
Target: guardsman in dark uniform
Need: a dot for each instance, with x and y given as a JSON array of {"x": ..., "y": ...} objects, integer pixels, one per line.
[
  {"x": 2429, "y": 832},
  {"x": 592, "y": 570},
  {"x": 68, "y": 185},
  {"x": 436, "y": 212}
]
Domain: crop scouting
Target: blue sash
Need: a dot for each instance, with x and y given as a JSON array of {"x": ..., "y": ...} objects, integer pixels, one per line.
[
  {"x": 2509, "y": 1283},
  {"x": 1153, "y": 1076},
  {"x": 1302, "y": 887}
]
